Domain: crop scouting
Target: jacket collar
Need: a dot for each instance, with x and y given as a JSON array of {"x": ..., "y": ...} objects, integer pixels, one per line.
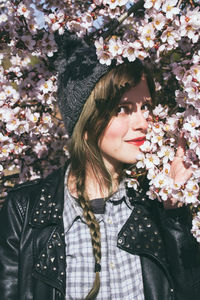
[
  {"x": 141, "y": 235},
  {"x": 48, "y": 208}
]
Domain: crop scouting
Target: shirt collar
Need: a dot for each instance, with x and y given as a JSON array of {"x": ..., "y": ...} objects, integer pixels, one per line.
[{"x": 73, "y": 211}]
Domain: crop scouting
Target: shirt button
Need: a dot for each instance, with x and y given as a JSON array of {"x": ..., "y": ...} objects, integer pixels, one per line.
[
  {"x": 109, "y": 221},
  {"x": 112, "y": 265}
]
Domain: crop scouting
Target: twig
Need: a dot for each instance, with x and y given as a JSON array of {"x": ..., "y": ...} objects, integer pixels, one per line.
[
  {"x": 113, "y": 24},
  {"x": 179, "y": 3},
  {"x": 135, "y": 7}
]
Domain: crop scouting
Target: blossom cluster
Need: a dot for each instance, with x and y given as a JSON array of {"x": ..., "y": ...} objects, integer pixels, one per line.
[
  {"x": 28, "y": 112},
  {"x": 165, "y": 33},
  {"x": 163, "y": 28},
  {"x": 165, "y": 127},
  {"x": 158, "y": 152}
]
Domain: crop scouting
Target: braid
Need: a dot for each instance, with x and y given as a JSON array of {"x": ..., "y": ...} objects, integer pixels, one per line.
[{"x": 95, "y": 235}]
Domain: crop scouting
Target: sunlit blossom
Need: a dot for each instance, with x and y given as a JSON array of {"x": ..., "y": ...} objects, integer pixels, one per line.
[
  {"x": 115, "y": 46},
  {"x": 171, "y": 36},
  {"x": 153, "y": 3},
  {"x": 170, "y": 8},
  {"x": 159, "y": 21},
  {"x": 23, "y": 10},
  {"x": 196, "y": 227}
]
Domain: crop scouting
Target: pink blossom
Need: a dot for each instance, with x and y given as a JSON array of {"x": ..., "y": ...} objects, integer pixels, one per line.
[
  {"x": 115, "y": 46},
  {"x": 159, "y": 21},
  {"x": 169, "y": 7},
  {"x": 23, "y": 10},
  {"x": 152, "y": 3}
]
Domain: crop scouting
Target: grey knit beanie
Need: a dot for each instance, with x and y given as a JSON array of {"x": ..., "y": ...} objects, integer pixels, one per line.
[{"x": 78, "y": 72}]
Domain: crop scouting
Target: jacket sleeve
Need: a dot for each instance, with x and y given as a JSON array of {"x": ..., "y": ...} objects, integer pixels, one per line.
[
  {"x": 11, "y": 220},
  {"x": 182, "y": 251}
]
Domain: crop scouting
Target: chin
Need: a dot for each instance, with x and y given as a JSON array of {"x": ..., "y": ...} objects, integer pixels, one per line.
[{"x": 132, "y": 159}]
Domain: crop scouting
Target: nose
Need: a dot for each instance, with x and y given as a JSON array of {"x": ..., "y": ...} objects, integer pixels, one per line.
[{"x": 138, "y": 121}]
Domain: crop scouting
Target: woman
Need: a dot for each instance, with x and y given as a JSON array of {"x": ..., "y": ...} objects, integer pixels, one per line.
[{"x": 80, "y": 233}]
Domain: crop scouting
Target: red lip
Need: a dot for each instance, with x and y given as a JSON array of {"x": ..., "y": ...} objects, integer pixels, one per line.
[{"x": 138, "y": 141}]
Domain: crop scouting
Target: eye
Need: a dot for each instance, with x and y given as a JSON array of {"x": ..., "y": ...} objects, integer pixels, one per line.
[
  {"x": 124, "y": 109},
  {"x": 121, "y": 110},
  {"x": 144, "y": 107},
  {"x": 146, "y": 110},
  {"x": 147, "y": 106}
]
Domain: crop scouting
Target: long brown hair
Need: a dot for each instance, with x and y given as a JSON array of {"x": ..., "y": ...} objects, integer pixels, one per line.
[{"x": 96, "y": 114}]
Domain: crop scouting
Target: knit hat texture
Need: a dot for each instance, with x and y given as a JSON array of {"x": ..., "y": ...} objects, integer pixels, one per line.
[{"x": 78, "y": 72}]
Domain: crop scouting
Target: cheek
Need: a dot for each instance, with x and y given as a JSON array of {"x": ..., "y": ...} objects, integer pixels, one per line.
[{"x": 116, "y": 128}]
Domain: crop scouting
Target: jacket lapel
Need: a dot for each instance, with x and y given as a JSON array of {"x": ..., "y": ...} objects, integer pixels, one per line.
[
  {"x": 140, "y": 234},
  {"x": 51, "y": 263},
  {"x": 49, "y": 241}
]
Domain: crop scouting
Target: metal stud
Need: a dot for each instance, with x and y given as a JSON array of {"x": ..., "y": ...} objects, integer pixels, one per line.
[
  {"x": 38, "y": 265},
  {"x": 41, "y": 204},
  {"x": 59, "y": 244},
  {"x": 45, "y": 267},
  {"x": 120, "y": 241},
  {"x": 54, "y": 204},
  {"x": 44, "y": 211},
  {"x": 61, "y": 257},
  {"x": 54, "y": 235},
  {"x": 54, "y": 269},
  {"x": 56, "y": 209},
  {"x": 37, "y": 212},
  {"x": 43, "y": 255},
  {"x": 148, "y": 225},
  {"x": 155, "y": 232},
  {"x": 60, "y": 217},
  {"x": 49, "y": 196},
  {"x": 50, "y": 246},
  {"x": 54, "y": 216},
  {"x": 42, "y": 221},
  {"x": 35, "y": 220},
  {"x": 42, "y": 198},
  {"x": 43, "y": 190},
  {"x": 62, "y": 273}
]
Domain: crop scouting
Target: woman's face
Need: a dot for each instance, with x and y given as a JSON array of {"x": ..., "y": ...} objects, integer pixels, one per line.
[{"x": 126, "y": 131}]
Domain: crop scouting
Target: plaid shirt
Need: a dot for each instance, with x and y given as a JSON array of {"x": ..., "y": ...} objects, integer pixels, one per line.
[{"x": 121, "y": 274}]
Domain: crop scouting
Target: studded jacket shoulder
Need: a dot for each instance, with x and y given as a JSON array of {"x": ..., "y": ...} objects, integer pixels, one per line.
[{"x": 32, "y": 245}]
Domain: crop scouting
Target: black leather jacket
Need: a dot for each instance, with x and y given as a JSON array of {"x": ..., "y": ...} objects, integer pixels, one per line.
[{"x": 32, "y": 246}]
